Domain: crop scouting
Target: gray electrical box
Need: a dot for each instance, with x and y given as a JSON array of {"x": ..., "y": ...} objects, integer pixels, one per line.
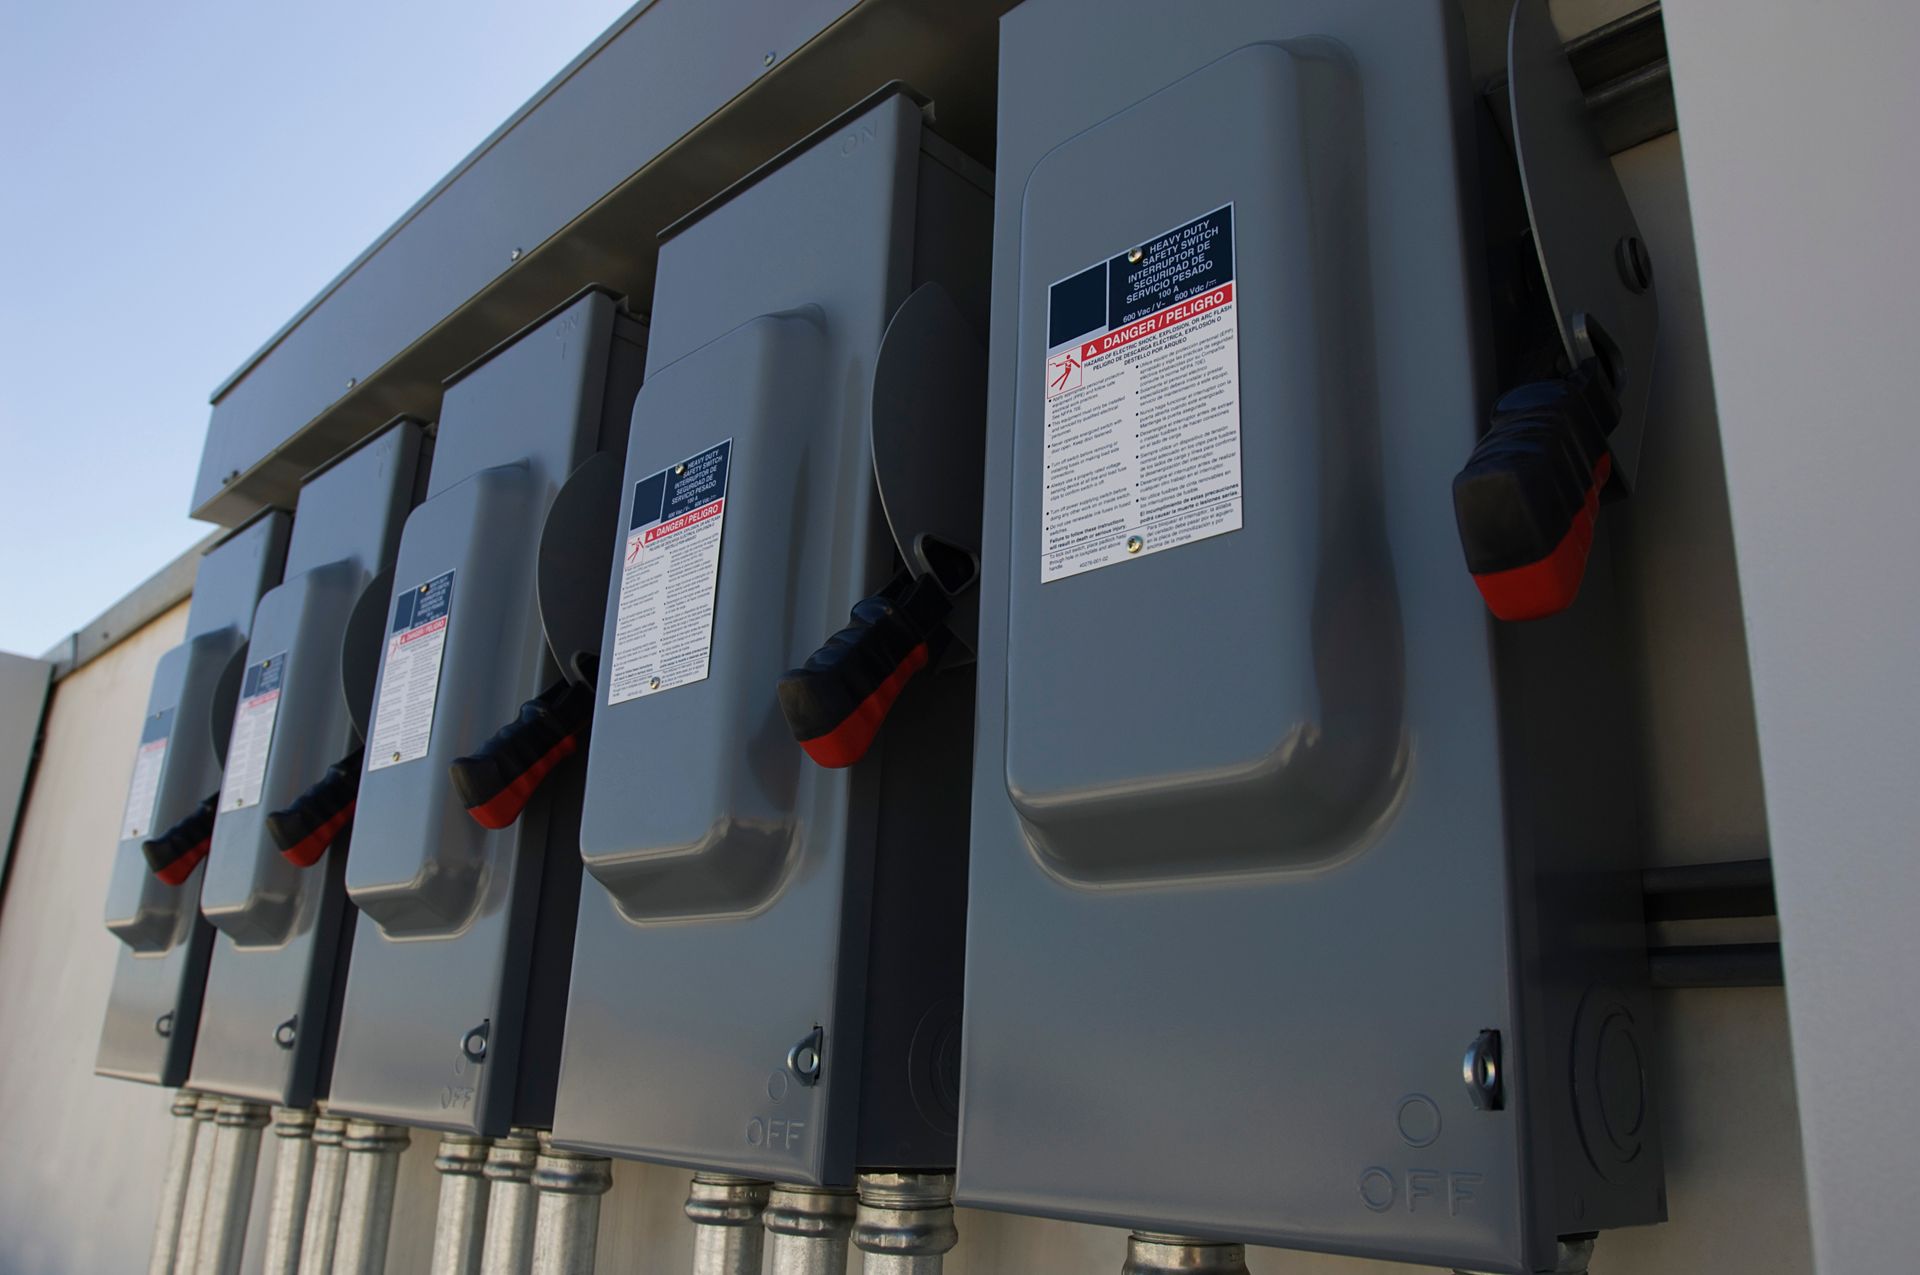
[
  {"x": 1304, "y": 906},
  {"x": 263, "y": 1024},
  {"x": 766, "y": 975},
  {"x": 459, "y": 961},
  {"x": 154, "y": 1009}
]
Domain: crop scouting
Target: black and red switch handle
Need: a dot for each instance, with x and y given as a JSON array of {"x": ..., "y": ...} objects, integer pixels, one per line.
[
  {"x": 318, "y": 816},
  {"x": 836, "y": 702},
  {"x": 1528, "y": 496},
  {"x": 175, "y": 853},
  {"x": 498, "y": 780}
]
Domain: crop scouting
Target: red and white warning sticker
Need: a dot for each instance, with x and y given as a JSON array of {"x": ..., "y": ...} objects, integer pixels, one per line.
[
  {"x": 1142, "y": 420},
  {"x": 136, "y": 821},
  {"x": 410, "y": 674},
  {"x": 252, "y": 737},
  {"x": 670, "y": 576}
]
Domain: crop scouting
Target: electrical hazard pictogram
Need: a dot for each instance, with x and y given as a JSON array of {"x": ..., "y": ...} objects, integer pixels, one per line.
[{"x": 1063, "y": 373}]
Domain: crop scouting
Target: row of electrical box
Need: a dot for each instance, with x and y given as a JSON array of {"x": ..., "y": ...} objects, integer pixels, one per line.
[{"x": 980, "y": 675}]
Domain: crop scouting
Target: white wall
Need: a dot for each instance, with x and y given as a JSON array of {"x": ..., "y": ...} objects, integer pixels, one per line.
[{"x": 1799, "y": 119}]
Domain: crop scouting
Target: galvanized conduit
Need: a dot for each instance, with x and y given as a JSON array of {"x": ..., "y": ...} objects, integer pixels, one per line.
[
  {"x": 193, "y": 1206},
  {"x": 904, "y": 1225},
  {"x": 807, "y": 1230},
  {"x": 569, "y": 1185},
  {"x": 460, "y": 1225},
  {"x": 366, "y": 1200},
  {"x": 229, "y": 1199},
  {"x": 510, "y": 1204},
  {"x": 1153, "y": 1253},
  {"x": 292, "y": 1182},
  {"x": 173, "y": 1187},
  {"x": 728, "y": 1236},
  {"x": 322, "y": 1226}
]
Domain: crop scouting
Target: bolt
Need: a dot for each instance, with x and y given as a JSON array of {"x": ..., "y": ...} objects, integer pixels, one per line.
[
  {"x": 396, "y": 756},
  {"x": 679, "y": 469},
  {"x": 653, "y": 683},
  {"x": 514, "y": 255},
  {"x": 1135, "y": 544},
  {"x": 352, "y": 381},
  {"x": 1635, "y": 266},
  {"x": 767, "y": 60},
  {"x": 1134, "y": 255}
]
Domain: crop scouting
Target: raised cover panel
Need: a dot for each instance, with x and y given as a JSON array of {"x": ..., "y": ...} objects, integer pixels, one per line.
[
  {"x": 251, "y": 892},
  {"x": 146, "y": 913},
  {"x": 729, "y": 834},
  {"x": 424, "y": 874},
  {"x": 1266, "y": 699}
]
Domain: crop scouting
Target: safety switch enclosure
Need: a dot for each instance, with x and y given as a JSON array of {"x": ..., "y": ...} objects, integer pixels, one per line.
[
  {"x": 153, "y": 1011},
  {"x": 459, "y": 962},
  {"x": 1303, "y": 902},
  {"x": 766, "y": 977},
  {"x": 264, "y": 1024}
]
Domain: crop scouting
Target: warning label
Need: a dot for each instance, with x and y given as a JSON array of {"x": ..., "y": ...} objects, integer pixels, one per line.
[
  {"x": 1142, "y": 423},
  {"x": 252, "y": 732},
  {"x": 663, "y": 632},
  {"x": 144, "y": 791},
  {"x": 410, "y": 676}
]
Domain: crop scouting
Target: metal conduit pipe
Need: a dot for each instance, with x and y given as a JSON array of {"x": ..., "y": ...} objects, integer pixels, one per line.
[
  {"x": 1152, "y": 1253},
  {"x": 366, "y": 1200},
  {"x": 569, "y": 1185},
  {"x": 727, "y": 1233},
  {"x": 173, "y": 1187},
  {"x": 460, "y": 1225},
  {"x": 1575, "y": 1256},
  {"x": 236, "y": 1159},
  {"x": 292, "y": 1181},
  {"x": 193, "y": 1205},
  {"x": 807, "y": 1229},
  {"x": 322, "y": 1225},
  {"x": 510, "y": 1204},
  {"x": 904, "y": 1225}
]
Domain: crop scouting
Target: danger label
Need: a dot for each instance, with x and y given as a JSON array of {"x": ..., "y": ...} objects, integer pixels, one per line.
[
  {"x": 144, "y": 791},
  {"x": 252, "y": 736},
  {"x": 1142, "y": 421},
  {"x": 669, "y": 575},
  {"x": 410, "y": 674}
]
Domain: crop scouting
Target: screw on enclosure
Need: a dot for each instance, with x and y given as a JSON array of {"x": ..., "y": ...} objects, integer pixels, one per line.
[
  {"x": 1635, "y": 266},
  {"x": 767, "y": 60},
  {"x": 1135, "y": 544},
  {"x": 514, "y": 255},
  {"x": 1134, "y": 254}
]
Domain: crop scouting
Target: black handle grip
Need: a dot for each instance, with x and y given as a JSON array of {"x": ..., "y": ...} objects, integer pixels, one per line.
[
  {"x": 1526, "y": 501},
  {"x": 318, "y": 816},
  {"x": 498, "y": 779},
  {"x": 175, "y": 853},
  {"x": 835, "y": 702}
]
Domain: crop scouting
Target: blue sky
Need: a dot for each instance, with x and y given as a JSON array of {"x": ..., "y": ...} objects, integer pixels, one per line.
[{"x": 175, "y": 181}]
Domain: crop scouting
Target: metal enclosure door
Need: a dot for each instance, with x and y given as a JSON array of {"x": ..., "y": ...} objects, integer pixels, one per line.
[
  {"x": 431, "y": 1030},
  {"x": 1246, "y": 872},
  {"x": 263, "y": 1022},
  {"x": 725, "y": 916},
  {"x": 154, "y": 1009}
]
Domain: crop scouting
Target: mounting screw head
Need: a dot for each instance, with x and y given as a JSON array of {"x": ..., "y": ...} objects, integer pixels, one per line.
[
  {"x": 1135, "y": 544},
  {"x": 514, "y": 255},
  {"x": 767, "y": 60},
  {"x": 1635, "y": 266}
]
